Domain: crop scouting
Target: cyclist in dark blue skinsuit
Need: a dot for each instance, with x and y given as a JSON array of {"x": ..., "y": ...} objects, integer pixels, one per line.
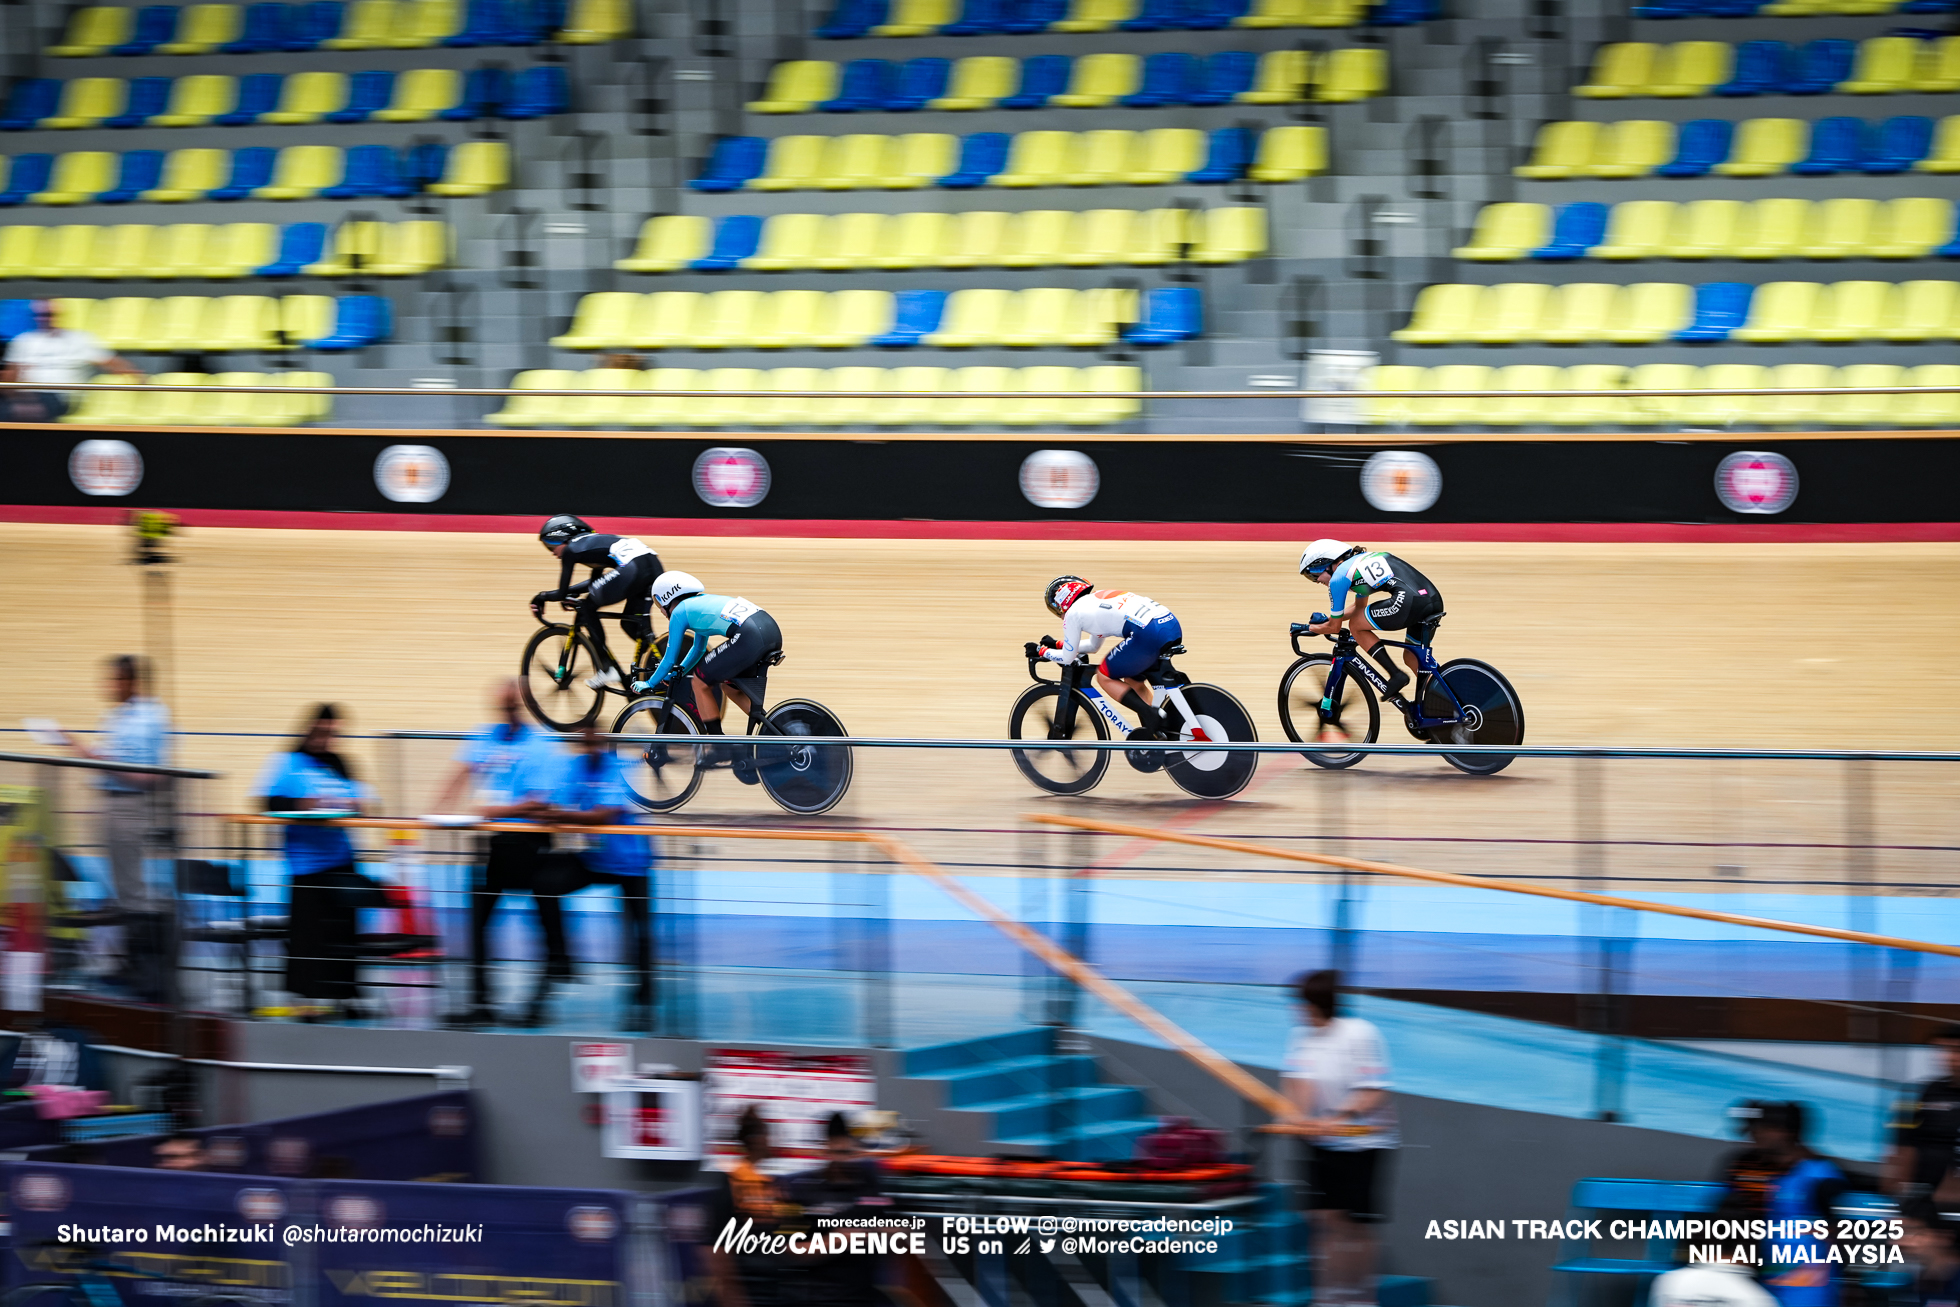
[
  {"x": 1369, "y": 592},
  {"x": 623, "y": 569}
]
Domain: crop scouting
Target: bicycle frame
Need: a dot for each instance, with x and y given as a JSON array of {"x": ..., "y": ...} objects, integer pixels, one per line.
[
  {"x": 1349, "y": 660},
  {"x": 1080, "y": 676},
  {"x": 650, "y": 643}
]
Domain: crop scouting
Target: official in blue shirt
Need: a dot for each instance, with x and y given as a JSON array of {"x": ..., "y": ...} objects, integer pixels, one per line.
[
  {"x": 493, "y": 759},
  {"x": 585, "y": 788}
]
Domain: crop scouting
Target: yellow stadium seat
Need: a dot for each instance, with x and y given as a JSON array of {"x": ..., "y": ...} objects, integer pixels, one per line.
[
  {"x": 108, "y": 407},
  {"x": 1864, "y": 410},
  {"x": 20, "y": 251},
  {"x": 1945, "y": 155},
  {"x": 180, "y": 408},
  {"x": 421, "y": 94},
  {"x": 534, "y": 410},
  {"x": 1391, "y": 377},
  {"x": 1621, "y": 69},
  {"x": 1232, "y": 235},
  {"x": 188, "y": 175},
  {"x": 601, "y": 410},
  {"x": 1885, "y": 66},
  {"x": 1037, "y": 238},
  {"x": 1444, "y": 412},
  {"x": 1637, "y": 229},
  {"x": 595, "y": 22},
  {"x": 1579, "y": 311},
  {"x": 1648, "y": 312},
  {"x": 973, "y": 317},
  {"x": 1562, "y": 149},
  {"x": 915, "y": 240},
  {"x": 853, "y": 317},
  {"x": 771, "y": 410},
  {"x": 1097, "y": 81},
  {"x": 1040, "y": 315},
  {"x": 599, "y": 322},
  {"x": 789, "y": 240},
  {"x": 1911, "y": 228},
  {"x": 122, "y": 323},
  {"x": 1510, "y": 312},
  {"x": 202, "y": 28},
  {"x": 1040, "y": 412},
  {"x": 1506, "y": 232},
  {"x": 916, "y": 18},
  {"x": 956, "y": 409},
  {"x": 917, "y": 410},
  {"x": 1274, "y": 13},
  {"x": 669, "y": 243},
  {"x": 79, "y": 176},
  {"x": 1282, "y": 77},
  {"x": 1938, "y": 66},
  {"x": 1356, "y": 72},
  {"x": 658, "y": 410},
  {"x": 1929, "y": 410},
  {"x": 93, "y": 31},
  {"x": 242, "y": 322},
  {"x": 1103, "y": 157},
  {"x": 1841, "y": 228},
  {"x": 422, "y": 24},
  {"x": 69, "y": 251},
  {"x": 177, "y": 323},
  {"x": 356, "y": 247},
  {"x": 1582, "y": 411},
  {"x": 919, "y": 160},
  {"x": 979, "y": 82},
  {"x": 730, "y": 408},
  {"x": 1781, "y": 311},
  {"x": 285, "y": 411},
  {"x": 1777, "y": 229},
  {"x": 1726, "y": 410},
  {"x": 196, "y": 100},
  {"x": 1796, "y": 410},
  {"x": 1334, "y": 13},
  {"x": 1765, "y": 146},
  {"x": 305, "y": 317},
  {"x": 1095, "y": 15},
  {"x": 851, "y": 240},
  {"x": 1290, "y": 153},
  {"x": 302, "y": 172},
  {"x": 798, "y": 86},
  {"x": 1507, "y": 408},
  {"x": 794, "y": 163},
  {"x": 411, "y": 248},
  {"x": 368, "y": 26},
  {"x": 238, "y": 249},
  {"x": 975, "y": 240},
  {"x": 1707, "y": 229},
  {"x": 793, "y": 319},
  {"x": 1851, "y": 310},
  {"x": 1693, "y": 68},
  {"x": 475, "y": 168},
  {"x": 1442, "y": 314},
  {"x": 1159, "y": 237},
  {"x": 1105, "y": 400},
  {"x": 1038, "y": 158},
  {"x": 86, "y": 101},
  {"x": 1633, "y": 147},
  {"x": 126, "y": 250},
  {"x": 666, "y": 319},
  {"x": 76, "y": 314},
  {"x": 233, "y": 409},
  {"x": 856, "y": 162},
  {"x": 1921, "y": 310},
  {"x": 844, "y": 410},
  {"x": 309, "y": 97},
  {"x": 182, "y": 249},
  {"x": 1096, "y": 316},
  {"x": 1166, "y": 154},
  {"x": 1098, "y": 237}
]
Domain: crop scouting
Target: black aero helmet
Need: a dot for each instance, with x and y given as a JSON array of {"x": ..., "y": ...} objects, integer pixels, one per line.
[{"x": 563, "y": 529}]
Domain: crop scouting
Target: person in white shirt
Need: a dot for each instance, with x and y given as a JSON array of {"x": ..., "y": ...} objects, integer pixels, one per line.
[
  {"x": 1709, "y": 1284},
  {"x": 54, "y": 357},
  {"x": 1336, "y": 1075}
]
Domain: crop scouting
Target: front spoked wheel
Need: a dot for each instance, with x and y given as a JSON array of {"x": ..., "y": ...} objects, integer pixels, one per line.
[
  {"x": 805, "y": 779},
  {"x": 1356, "y": 717},
  {"x": 1214, "y": 773},
  {"x": 557, "y": 662},
  {"x": 663, "y": 772},
  {"x": 1491, "y": 714},
  {"x": 1058, "y": 769}
]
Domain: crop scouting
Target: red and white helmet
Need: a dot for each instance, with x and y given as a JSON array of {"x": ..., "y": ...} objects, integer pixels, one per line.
[{"x": 1063, "y": 591}]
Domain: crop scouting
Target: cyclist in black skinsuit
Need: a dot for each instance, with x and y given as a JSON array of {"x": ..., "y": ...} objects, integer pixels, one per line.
[{"x": 622, "y": 570}]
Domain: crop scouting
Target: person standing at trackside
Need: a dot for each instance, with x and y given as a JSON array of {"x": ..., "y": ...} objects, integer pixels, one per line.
[
  {"x": 584, "y": 788},
  {"x": 493, "y": 758},
  {"x": 1336, "y": 1074},
  {"x": 1146, "y": 628},
  {"x": 1370, "y": 591},
  {"x": 621, "y": 570},
  {"x": 1778, "y": 1178},
  {"x": 53, "y": 356},
  {"x": 327, "y": 891},
  {"x": 1926, "y": 1134}
]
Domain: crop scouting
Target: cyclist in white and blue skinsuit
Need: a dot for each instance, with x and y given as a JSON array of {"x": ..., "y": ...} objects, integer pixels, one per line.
[{"x": 1146, "y": 628}]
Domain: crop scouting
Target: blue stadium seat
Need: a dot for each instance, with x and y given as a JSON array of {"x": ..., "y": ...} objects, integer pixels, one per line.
[
  {"x": 258, "y": 93},
  {"x": 1025, "y": 17},
  {"x": 1667, "y": 9},
  {"x": 1820, "y": 66},
  {"x": 265, "y": 29},
  {"x": 1578, "y": 228},
  {"x": 362, "y": 320},
  {"x": 1733, "y": 8},
  {"x": 140, "y": 170},
  {"x": 1720, "y": 307},
  {"x": 538, "y": 92},
  {"x": 1170, "y": 314},
  {"x": 737, "y": 237},
  {"x": 1155, "y": 16},
  {"x": 1698, "y": 147},
  {"x": 736, "y": 160},
  {"x": 1042, "y": 75},
  {"x": 251, "y": 168},
  {"x": 154, "y": 25},
  {"x": 1929, "y": 6},
  {"x": 300, "y": 244},
  {"x": 978, "y": 18},
  {"x": 148, "y": 97},
  {"x": 1403, "y": 13},
  {"x": 484, "y": 92},
  {"x": 1214, "y": 15},
  {"x": 919, "y": 81},
  {"x": 1640, "y": 1200},
  {"x": 915, "y": 315},
  {"x": 27, "y": 175},
  {"x": 853, "y": 18},
  {"x": 982, "y": 155},
  {"x": 1227, "y": 156},
  {"x": 314, "y": 23},
  {"x": 1898, "y": 143},
  {"x": 1951, "y": 250},
  {"x": 485, "y": 22},
  {"x": 33, "y": 99},
  {"x": 1761, "y": 68},
  {"x": 1227, "y": 75},
  {"x": 373, "y": 172},
  {"x": 424, "y": 164},
  {"x": 865, "y": 85},
  {"x": 16, "y": 316},
  {"x": 367, "y": 91},
  {"x": 1169, "y": 77},
  {"x": 1836, "y": 145}
]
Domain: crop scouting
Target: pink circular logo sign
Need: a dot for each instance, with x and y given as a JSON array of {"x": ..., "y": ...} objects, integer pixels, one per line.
[
  {"x": 105, "y": 467},
  {"x": 1756, "y": 481},
  {"x": 731, "y": 478}
]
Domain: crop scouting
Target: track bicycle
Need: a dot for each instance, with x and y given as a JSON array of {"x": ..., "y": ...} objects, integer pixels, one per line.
[
  {"x": 665, "y": 769},
  {"x": 1072, "y": 708},
  {"x": 1463, "y": 701},
  {"x": 559, "y": 661}
]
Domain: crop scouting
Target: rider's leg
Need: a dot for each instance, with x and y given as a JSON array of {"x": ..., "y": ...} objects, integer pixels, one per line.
[
  {"x": 707, "y": 704},
  {"x": 1135, "y": 694},
  {"x": 1364, "y": 629}
]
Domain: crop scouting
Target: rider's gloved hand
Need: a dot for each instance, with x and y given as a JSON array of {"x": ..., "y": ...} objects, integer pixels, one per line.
[
  {"x": 1316, "y": 619},
  {"x": 1050, "y": 642},
  {"x": 1299, "y": 628}
]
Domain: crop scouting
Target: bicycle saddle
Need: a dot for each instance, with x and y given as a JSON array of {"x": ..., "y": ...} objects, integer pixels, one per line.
[{"x": 1173, "y": 651}]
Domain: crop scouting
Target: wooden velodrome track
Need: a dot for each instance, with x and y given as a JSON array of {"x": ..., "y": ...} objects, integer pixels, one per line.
[{"x": 1823, "y": 645}]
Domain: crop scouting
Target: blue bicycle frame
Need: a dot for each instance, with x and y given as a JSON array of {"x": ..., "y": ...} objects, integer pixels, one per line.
[{"x": 1349, "y": 660}]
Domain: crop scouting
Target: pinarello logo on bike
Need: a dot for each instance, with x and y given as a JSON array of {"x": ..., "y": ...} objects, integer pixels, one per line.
[
  {"x": 41, "y": 1193},
  {"x": 592, "y": 1224},
  {"x": 1401, "y": 481},
  {"x": 448, "y": 1122},
  {"x": 411, "y": 474},
  {"x": 727, "y": 477},
  {"x": 261, "y": 1204},
  {"x": 1756, "y": 481},
  {"x": 105, "y": 467},
  {"x": 356, "y": 1210},
  {"x": 1059, "y": 478}
]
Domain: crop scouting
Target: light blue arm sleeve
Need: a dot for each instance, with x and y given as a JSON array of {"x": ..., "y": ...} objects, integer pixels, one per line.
[
  {"x": 704, "y": 619},
  {"x": 1337, "y": 592}
]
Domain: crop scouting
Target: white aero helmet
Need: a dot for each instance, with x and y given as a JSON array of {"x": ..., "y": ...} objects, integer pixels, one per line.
[
  {"x": 671, "y": 587},
  {"x": 1321, "y": 555}
]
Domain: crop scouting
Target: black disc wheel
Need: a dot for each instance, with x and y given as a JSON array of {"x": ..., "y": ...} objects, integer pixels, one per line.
[
  {"x": 802, "y": 778},
  {"x": 663, "y": 771},
  {"x": 1058, "y": 769},
  {"x": 557, "y": 662},
  {"x": 1214, "y": 773},
  {"x": 1355, "y": 718},
  {"x": 1490, "y": 709}
]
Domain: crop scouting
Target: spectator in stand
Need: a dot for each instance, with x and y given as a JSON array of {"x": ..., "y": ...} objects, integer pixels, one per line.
[
  {"x": 1929, "y": 1243},
  {"x": 328, "y": 892},
  {"x": 1926, "y": 1138},
  {"x": 1778, "y": 1178},
  {"x": 493, "y": 759},
  {"x": 1336, "y": 1074},
  {"x": 180, "y": 1153},
  {"x": 746, "y": 1196},
  {"x": 53, "y": 356},
  {"x": 849, "y": 1187}
]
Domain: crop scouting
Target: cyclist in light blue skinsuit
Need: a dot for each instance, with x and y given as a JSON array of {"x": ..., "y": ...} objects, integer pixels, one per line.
[{"x": 748, "y": 634}]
